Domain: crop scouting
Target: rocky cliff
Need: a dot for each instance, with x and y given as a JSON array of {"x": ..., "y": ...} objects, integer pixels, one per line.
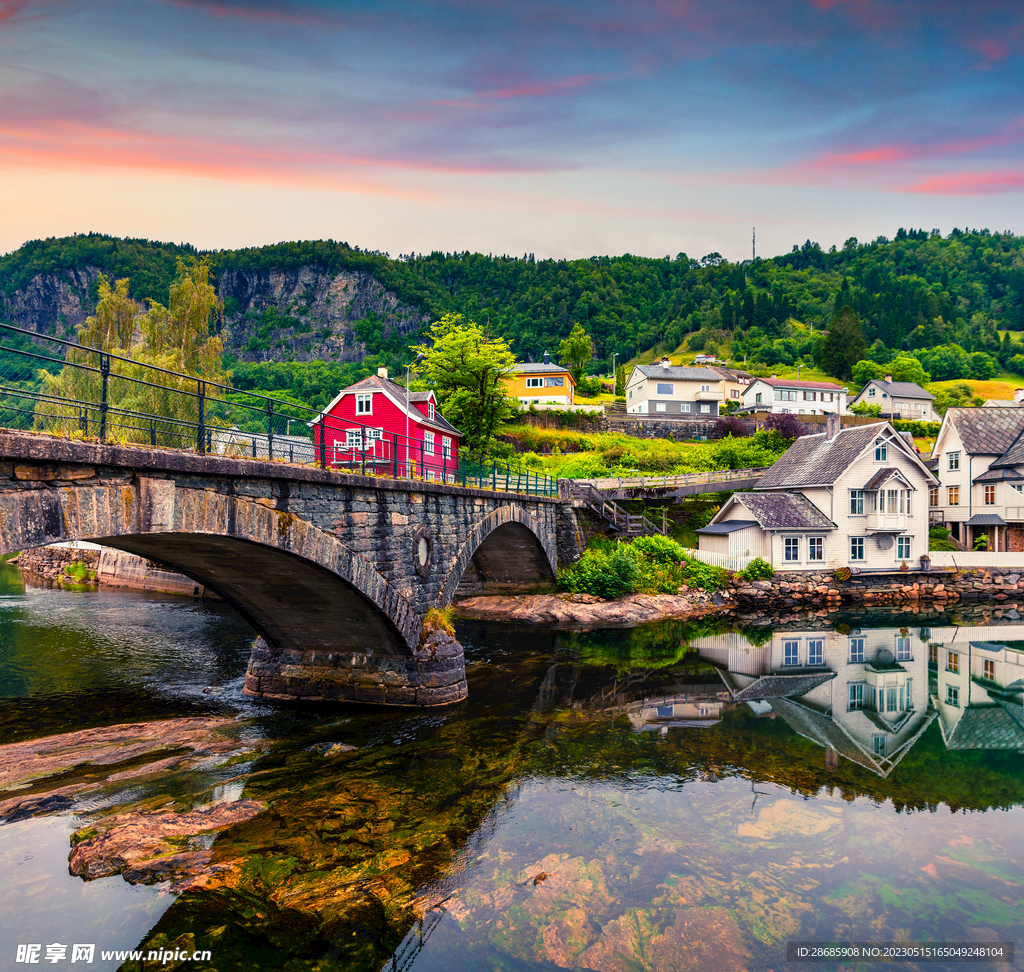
[{"x": 299, "y": 314}]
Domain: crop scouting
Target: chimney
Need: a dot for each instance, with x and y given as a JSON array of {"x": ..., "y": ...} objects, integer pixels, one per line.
[
  {"x": 665, "y": 363},
  {"x": 888, "y": 378},
  {"x": 1018, "y": 394},
  {"x": 775, "y": 376},
  {"x": 547, "y": 358},
  {"x": 832, "y": 425},
  {"x": 382, "y": 372}
]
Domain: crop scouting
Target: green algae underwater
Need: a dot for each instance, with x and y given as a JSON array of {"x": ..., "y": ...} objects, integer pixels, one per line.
[{"x": 602, "y": 800}]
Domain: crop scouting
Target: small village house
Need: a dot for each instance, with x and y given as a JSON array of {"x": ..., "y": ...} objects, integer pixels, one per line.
[
  {"x": 853, "y": 498},
  {"x": 898, "y": 400},
  {"x": 377, "y": 426},
  {"x": 541, "y": 383},
  {"x": 734, "y": 383},
  {"x": 780, "y": 395},
  {"x": 667, "y": 389},
  {"x": 979, "y": 456}
]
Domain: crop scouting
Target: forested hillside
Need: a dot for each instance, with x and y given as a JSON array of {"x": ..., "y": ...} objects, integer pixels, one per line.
[{"x": 329, "y": 301}]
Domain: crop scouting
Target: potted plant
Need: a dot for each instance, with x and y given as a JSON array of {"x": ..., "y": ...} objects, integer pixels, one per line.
[
  {"x": 904, "y": 566},
  {"x": 926, "y": 563}
]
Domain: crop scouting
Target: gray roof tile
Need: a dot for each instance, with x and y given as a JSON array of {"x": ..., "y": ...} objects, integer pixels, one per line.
[
  {"x": 529, "y": 367},
  {"x": 679, "y": 373},
  {"x": 987, "y": 431},
  {"x": 903, "y": 389},
  {"x": 812, "y": 460},
  {"x": 782, "y": 511},
  {"x": 989, "y": 727},
  {"x": 782, "y": 686}
]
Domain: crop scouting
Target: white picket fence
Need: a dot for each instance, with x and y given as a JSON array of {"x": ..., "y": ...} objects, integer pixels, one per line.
[
  {"x": 728, "y": 561},
  {"x": 976, "y": 558}
]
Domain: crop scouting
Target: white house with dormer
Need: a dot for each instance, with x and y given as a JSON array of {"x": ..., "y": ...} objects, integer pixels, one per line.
[
  {"x": 898, "y": 400},
  {"x": 855, "y": 498},
  {"x": 670, "y": 390}
]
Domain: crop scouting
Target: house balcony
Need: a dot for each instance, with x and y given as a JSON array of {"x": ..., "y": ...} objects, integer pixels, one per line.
[
  {"x": 708, "y": 396},
  {"x": 886, "y": 522}
]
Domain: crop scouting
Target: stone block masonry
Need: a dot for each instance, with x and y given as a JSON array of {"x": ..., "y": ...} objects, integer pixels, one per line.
[{"x": 335, "y": 572}]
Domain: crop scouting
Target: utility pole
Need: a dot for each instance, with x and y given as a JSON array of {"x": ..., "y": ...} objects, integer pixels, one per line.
[{"x": 753, "y": 244}]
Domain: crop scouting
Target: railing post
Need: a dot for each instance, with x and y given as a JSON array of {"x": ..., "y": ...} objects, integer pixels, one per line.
[
  {"x": 104, "y": 378},
  {"x": 201, "y": 418},
  {"x": 394, "y": 454},
  {"x": 270, "y": 429},
  {"x": 323, "y": 443},
  {"x": 152, "y": 432},
  {"x": 362, "y": 442}
]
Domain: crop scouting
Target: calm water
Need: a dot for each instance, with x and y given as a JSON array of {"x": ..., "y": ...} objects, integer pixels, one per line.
[{"x": 667, "y": 798}]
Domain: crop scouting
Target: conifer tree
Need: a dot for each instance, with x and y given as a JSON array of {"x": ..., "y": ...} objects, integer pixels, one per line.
[{"x": 843, "y": 346}]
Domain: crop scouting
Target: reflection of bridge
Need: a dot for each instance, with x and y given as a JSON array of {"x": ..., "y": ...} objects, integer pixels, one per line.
[{"x": 336, "y": 572}]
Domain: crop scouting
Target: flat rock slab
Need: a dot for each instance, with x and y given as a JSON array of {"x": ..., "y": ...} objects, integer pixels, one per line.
[{"x": 579, "y": 610}]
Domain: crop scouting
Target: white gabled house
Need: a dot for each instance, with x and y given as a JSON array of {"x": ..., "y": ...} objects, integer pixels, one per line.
[
  {"x": 781, "y": 395},
  {"x": 853, "y": 498}
]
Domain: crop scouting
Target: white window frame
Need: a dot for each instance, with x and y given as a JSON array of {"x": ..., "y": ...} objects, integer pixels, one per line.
[
  {"x": 665, "y": 388},
  {"x": 857, "y": 646},
  {"x": 353, "y": 438},
  {"x": 428, "y": 443},
  {"x": 855, "y": 697},
  {"x": 816, "y": 549},
  {"x": 790, "y": 660},
  {"x": 903, "y": 547},
  {"x": 791, "y": 544},
  {"x": 856, "y": 502},
  {"x": 816, "y": 651},
  {"x": 446, "y": 446},
  {"x": 881, "y": 451},
  {"x": 539, "y": 383},
  {"x": 857, "y": 551},
  {"x": 903, "y": 650},
  {"x": 364, "y": 404},
  {"x": 953, "y": 461},
  {"x": 431, "y": 409},
  {"x": 661, "y": 406},
  {"x": 685, "y": 407}
]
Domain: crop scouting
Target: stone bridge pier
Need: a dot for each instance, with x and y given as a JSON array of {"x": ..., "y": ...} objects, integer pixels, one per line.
[{"x": 336, "y": 573}]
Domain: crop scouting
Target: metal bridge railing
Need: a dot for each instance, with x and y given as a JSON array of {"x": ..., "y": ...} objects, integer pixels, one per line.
[{"x": 66, "y": 389}]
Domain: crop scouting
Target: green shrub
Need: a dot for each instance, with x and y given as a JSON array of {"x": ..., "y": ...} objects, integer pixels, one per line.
[
  {"x": 757, "y": 569},
  {"x": 601, "y": 574},
  {"x": 938, "y": 538},
  {"x": 587, "y": 466},
  {"x": 704, "y": 576},
  {"x": 657, "y": 549}
]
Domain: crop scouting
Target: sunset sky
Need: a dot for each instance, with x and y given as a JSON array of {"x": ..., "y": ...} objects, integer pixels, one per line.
[{"x": 559, "y": 128}]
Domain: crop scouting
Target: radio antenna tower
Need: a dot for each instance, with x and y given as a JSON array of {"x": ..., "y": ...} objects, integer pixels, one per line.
[{"x": 753, "y": 244}]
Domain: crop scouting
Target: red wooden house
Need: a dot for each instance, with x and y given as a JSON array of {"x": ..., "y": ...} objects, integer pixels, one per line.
[{"x": 376, "y": 426}]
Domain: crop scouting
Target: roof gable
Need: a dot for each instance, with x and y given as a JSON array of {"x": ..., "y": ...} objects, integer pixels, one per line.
[
  {"x": 815, "y": 461},
  {"x": 781, "y": 511},
  {"x": 900, "y": 389},
  {"x": 396, "y": 394},
  {"x": 986, "y": 431},
  {"x": 794, "y": 383}
]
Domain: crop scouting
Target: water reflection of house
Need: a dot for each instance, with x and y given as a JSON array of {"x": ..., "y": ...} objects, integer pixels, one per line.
[
  {"x": 978, "y": 687},
  {"x": 862, "y": 695},
  {"x": 689, "y": 705}
]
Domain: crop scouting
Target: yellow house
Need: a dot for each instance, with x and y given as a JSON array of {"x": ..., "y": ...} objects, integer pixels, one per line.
[{"x": 540, "y": 383}]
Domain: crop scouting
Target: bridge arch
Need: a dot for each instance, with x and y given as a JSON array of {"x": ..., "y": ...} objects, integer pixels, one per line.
[
  {"x": 277, "y": 570},
  {"x": 509, "y": 549}
]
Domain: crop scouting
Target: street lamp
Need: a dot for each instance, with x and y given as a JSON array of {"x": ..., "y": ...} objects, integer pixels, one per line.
[{"x": 415, "y": 361}]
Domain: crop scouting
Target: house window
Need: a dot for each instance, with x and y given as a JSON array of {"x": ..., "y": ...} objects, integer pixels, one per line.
[
  {"x": 890, "y": 698},
  {"x": 953, "y": 662},
  {"x": 856, "y": 650},
  {"x": 933, "y": 655},
  {"x": 631, "y": 393},
  {"x": 903, "y": 648},
  {"x": 430, "y": 410},
  {"x": 953, "y": 459},
  {"x": 990, "y": 669},
  {"x": 446, "y": 447},
  {"x": 705, "y": 408},
  {"x": 856, "y": 698},
  {"x": 871, "y": 392},
  {"x": 757, "y": 398},
  {"x": 952, "y": 695},
  {"x": 856, "y": 548},
  {"x": 364, "y": 404},
  {"x": 810, "y": 396},
  {"x": 1017, "y": 486},
  {"x": 705, "y": 388},
  {"x": 910, "y": 694},
  {"x": 815, "y": 548},
  {"x": 664, "y": 389},
  {"x": 990, "y": 495},
  {"x": 685, "y": 407},
  {"x": 953, "y": 495},
  {"x": 791, "y": 653},
  {"x": 828, "y": 396},
  {"x": 903, "y": 548},
  {"x": 735, "y": 394},
  {"x": 558, "y": 381},
  {"x": 353, "y": 439},
  {"x": 428, "y": 443},
  {"x": 905, "y": 500},
  {"x": 891, "y": 497},
  {"x": 791, "y": 548},
  {"x": 881, "y": 451},
  {"x": 933, "y": 495},
  {"x": 878, "y": 744},
  {"x": 816, "y": 651},
  {"x": 856, "y": 502},
  {"x": 660, "y": 406},
  {"x": 539, "y": 383}
]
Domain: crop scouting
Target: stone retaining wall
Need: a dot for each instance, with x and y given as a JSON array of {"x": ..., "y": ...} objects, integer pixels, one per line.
[
  {"x": 814, "y": 589},
  {"x": 51, "y": 561}
]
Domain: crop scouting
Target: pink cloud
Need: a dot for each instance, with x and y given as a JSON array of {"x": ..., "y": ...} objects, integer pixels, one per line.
[
  {"x": 534, "y": 89},
  {"x": 301, "y": 18},
  {"x": 970, "y": 184},
  {"x": 8, "y": 8}
]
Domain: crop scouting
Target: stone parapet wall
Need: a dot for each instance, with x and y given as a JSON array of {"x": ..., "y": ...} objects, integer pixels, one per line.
[{"x": 821, "y": 589}]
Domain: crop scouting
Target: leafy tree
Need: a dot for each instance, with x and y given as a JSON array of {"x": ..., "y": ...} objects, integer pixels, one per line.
[
  {"x": 575, "y": 352},
  {"x": 468, "y": 370},
  {"x": 786, "y": 424},
  {"x": 948, "y": 362},
  {"x": 864, "y": 371},
  {"x": 844, "y": 344},
  {"x": 867, "y": 408},
  {"x": 620, "y": 380}
]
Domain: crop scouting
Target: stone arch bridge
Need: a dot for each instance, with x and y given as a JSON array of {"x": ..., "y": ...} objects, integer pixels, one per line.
[{"x": 335, "y": 572}]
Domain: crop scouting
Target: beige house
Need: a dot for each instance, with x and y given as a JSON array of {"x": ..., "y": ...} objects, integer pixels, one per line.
[
  {"x": 853, "y": 498},
  {"x": 670, "y": 390},
  {"x": 980, "y": 465},
  {"x": 898, "y": 400},
  {"x": 734, "y": 383}
]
